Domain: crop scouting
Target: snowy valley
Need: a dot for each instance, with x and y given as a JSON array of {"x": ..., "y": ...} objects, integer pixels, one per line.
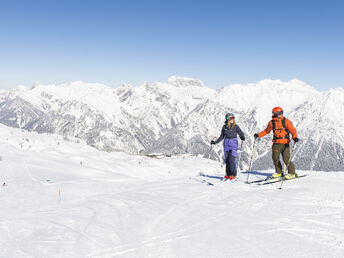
[{"x": 121, "y": 205}]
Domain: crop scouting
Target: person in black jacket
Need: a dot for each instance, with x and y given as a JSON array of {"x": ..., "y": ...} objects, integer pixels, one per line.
[{"x": 229, "y": 133}]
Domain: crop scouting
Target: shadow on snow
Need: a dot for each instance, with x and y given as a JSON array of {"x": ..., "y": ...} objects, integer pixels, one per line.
[{"x": 257, "y": 173}]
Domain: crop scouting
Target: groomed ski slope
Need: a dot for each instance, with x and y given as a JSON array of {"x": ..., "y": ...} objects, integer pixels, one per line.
[{"x": 119, "y": 205}]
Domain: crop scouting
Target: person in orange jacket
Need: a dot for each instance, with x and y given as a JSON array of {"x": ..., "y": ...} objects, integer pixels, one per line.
[{"x": 282, "y": 128}]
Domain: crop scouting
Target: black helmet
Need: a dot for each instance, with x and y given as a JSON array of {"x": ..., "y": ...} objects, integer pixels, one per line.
[{"x": 229, "y": 116}]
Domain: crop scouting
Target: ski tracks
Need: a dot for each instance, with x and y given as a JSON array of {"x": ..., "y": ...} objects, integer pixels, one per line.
[
  {"x": 169, "y": 220},
  {"x": 316, "y": 219}
]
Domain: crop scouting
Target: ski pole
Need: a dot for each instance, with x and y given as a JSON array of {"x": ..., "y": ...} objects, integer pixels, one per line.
[
  {"x": 250, "y": 166},
  {"x": 286, "y": 166},
  {"x": 239, "y": 159},
  {"x": 210, "y": 151}
]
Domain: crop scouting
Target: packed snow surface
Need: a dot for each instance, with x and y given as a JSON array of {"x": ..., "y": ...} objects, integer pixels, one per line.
[{"x": 119, "y": 205}]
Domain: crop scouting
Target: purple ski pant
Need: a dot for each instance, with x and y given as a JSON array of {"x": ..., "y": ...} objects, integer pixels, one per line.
[{"x": 230, "y": 147}]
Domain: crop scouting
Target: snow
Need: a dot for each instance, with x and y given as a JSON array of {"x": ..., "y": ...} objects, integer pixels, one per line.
[
  {"x": 98, "y": 96},
  {"x": 120, "y": 205},
  {"x": 180, "y": 93},
  {"x": 265, "y": 95},
  {"x": 181, "y": 108},
  {"x": 180, "y": 81},
  {"x": 320, "y": 112},
  {"x": 261, "y": 96}
]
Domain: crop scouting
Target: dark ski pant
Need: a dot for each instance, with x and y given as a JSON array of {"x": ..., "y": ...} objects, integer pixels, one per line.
[
  {"x": 231, "y": 169},
  {"x": 284, "y": 149}
]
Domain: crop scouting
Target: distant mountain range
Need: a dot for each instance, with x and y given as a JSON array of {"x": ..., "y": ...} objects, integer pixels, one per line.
[{"x": 183, "y": 116}]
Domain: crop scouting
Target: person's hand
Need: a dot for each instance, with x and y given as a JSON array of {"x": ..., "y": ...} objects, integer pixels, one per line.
[
  {"x": 255, "y": 135},
  {"x": 242, "y": 138},
  {"x": 212, "y": 142},
  {"x": 296, "y": 139}
]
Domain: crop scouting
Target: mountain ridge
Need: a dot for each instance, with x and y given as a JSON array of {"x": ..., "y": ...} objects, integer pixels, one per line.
[{"x": 181, "y": 116}]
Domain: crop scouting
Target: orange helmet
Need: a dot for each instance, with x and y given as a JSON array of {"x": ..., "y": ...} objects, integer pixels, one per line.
[{"x": 276, "y": 111}]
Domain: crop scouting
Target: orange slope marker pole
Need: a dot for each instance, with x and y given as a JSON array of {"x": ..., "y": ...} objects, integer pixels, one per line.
[{"x": 59, "y": 196}]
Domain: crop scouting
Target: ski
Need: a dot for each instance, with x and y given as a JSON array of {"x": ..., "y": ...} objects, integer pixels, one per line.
[
  {"x": 271, "y": 181},
  {"x": 258, "y": 181},
  {"x": 202, "y": 181},
  {"x": 220, "y": 178},
  {"x": 206, "y": 182},
  {"x": 280, "y": 179}
]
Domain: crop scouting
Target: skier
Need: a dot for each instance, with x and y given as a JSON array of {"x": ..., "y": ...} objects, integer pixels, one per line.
[
  {"x": 282, "y": 127},
  {"x": 230, "y": 144}
]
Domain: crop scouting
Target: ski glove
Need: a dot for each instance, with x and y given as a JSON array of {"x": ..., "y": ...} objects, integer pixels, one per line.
[
  {"x": 242, "y": 138},
  {"x": 212, "y": 142},
  {"x": 296, "y": 139},
  {"x": 256, "y": 135}
]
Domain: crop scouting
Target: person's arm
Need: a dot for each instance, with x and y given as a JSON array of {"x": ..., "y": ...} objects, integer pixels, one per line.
[
  {"x": 266, "y": 131},
  {"x": 221, "y": 136},
  {"x": 241, "y": 134}
]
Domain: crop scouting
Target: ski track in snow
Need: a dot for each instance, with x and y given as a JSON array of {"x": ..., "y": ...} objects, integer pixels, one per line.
[{"x": 117, "y": 205}]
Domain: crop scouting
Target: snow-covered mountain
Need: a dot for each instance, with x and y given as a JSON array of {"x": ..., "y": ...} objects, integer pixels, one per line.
[
  {"x": 182, "y": 116},
  {"x": 320, "y": 122}
]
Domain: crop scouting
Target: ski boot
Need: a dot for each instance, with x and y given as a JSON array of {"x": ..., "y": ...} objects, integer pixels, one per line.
[
  {"x": 290, "y": 176},
  {"x": 275, "y": 175}
]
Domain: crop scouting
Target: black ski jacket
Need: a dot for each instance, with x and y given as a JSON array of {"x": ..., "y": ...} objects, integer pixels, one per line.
[{"x": 230, "y": 133}]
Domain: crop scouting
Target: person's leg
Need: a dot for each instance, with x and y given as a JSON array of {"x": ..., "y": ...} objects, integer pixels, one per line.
[
  {"x": 276, "y": 151},
  {"x": 286, "y": 159},
  {"x": 232, "y": 162},
  {"x": 227, "y": 163}
]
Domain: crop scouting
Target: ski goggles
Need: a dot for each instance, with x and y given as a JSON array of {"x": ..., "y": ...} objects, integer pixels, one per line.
[
  {"x": 277, "y": 114},
  {"x": 230, "y": 118}
]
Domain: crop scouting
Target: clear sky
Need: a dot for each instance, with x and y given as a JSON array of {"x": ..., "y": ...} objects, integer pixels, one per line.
[{"x": 219, "y": 42}]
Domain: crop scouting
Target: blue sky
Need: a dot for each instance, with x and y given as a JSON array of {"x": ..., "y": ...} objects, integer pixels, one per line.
[{"x": 219, "y": 42}]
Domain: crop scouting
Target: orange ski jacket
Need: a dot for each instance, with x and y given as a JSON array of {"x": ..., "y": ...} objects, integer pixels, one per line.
[{"x": 282, "y": 128}]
